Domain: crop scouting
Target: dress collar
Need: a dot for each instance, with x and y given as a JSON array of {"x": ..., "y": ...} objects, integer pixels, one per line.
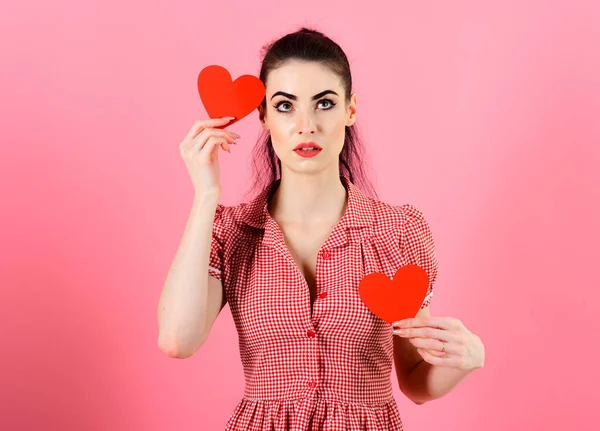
[{"x": 359, "y": 213}]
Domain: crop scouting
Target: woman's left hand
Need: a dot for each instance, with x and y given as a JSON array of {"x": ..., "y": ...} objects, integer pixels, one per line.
[{"x": 443, "y": 341}]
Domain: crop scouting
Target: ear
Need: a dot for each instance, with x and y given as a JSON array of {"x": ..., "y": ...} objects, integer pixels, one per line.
[
  {"x": 261, "y": 117},
  {"x": 351, "y": 111}
]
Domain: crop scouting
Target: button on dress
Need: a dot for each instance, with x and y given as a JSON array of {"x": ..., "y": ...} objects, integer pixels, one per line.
[{"x": 329, "y": 370}]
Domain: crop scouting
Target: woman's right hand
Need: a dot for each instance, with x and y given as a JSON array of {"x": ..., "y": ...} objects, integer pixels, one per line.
[{"x": 199, "y": 150}]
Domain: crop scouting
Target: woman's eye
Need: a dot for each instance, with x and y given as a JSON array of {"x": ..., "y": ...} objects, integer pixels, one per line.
[
  {"x": 331, "y": 104},
  {"x": 280, "y": 104},
  {"x": 328, "y": 105}
]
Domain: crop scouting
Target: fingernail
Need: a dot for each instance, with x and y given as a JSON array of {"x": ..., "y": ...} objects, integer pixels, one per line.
[
  {"x": 400, "y": 331},
  {"x": 228, "y": 118}
]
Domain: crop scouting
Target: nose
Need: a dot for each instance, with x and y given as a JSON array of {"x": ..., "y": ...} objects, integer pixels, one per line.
[{"x": 305, "y": 123}]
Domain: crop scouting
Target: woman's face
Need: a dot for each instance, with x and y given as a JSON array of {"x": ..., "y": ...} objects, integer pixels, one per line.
[{"x": 306, "y": 103}]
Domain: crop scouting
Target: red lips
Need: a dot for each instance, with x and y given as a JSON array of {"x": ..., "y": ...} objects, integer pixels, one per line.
[{"x": 307, "y": 145}]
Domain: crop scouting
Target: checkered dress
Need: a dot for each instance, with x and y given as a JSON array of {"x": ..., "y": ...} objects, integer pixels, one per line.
[{"x": 330, "y": 370}]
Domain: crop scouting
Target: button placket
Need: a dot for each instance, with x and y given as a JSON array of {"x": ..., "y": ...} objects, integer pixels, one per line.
[
  {"x": 311, "y": 333},
  {"x": 325, "y": 254}
]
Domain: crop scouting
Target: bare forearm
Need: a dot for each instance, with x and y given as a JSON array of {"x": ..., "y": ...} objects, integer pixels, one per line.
[
  {"x": 428, "y": 382},
  {"x": 183, "y": 301}
]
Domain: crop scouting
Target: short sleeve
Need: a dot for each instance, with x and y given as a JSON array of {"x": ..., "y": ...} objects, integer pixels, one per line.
[
  {"x": 216, "y": 264},
  {"x": 418, "y": 247}
]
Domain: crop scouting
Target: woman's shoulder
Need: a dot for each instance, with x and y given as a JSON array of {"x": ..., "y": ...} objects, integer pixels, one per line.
[
  {"x": 388, "y": 215},
  {"x": 229, "y": 215},
  {"x": 236, "y": 218}
]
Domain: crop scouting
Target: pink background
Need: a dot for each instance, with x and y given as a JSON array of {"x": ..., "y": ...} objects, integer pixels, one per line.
[{"x": 484, "y": 114}]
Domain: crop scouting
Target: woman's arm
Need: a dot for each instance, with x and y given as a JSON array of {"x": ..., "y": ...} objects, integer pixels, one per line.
[
  {"x": 427, "y": 382},
  {"x": 422, "y": 380},
  {"x": 184, "y": 304}
]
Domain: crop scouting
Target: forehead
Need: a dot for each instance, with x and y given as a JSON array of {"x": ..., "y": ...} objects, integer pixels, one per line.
[{"x": 303, "y": 79}]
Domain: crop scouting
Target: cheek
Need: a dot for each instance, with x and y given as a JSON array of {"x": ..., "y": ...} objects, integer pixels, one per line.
[
  {"x": 281, "y": 125},
  {"x": 340, "y": 128},
  {"x": 280, "y": 134}
]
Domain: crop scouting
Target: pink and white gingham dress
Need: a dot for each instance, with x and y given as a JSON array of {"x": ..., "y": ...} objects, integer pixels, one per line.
[{"x": 331, "y": 370}]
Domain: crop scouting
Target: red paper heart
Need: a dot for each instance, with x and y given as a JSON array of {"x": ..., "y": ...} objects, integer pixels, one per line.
[
  {"x": 223, "y": 97},
  {"x": 396, "y": 299}
]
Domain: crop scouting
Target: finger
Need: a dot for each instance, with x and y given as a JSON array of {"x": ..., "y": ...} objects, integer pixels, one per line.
[
  {"x": 199, "y": 125},
  {"x": 220, "y": 132},
  {"x": 214, "y": 141},
  {"x": 415, "y": 322},
  {"x": 434, "y": 345},
  {"x": 435, "y": 352},
  {"x": 427, "y": 332},
  {"x": 227, "y": 124},
  {"x": 435, "y": 360},
  {"x": 210, "y": 132}
]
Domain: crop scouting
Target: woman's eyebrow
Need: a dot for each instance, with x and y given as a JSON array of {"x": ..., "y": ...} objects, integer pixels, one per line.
[{"x": 315, "y": 97}]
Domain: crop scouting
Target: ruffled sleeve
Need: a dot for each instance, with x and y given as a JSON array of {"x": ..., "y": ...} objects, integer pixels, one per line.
[
  {"x": 417, "y": 245},
  {"x": 216, "y": 265}
]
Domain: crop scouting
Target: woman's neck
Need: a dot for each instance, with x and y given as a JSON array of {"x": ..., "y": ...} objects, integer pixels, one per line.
[{"x": 308, "y": 199}]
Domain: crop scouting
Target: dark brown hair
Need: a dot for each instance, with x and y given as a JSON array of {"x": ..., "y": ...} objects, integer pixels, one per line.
[{"x": 308, "y": 45}]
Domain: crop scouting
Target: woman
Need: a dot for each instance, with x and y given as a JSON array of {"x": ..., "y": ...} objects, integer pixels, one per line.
[{"x": 289, "y": 263}]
